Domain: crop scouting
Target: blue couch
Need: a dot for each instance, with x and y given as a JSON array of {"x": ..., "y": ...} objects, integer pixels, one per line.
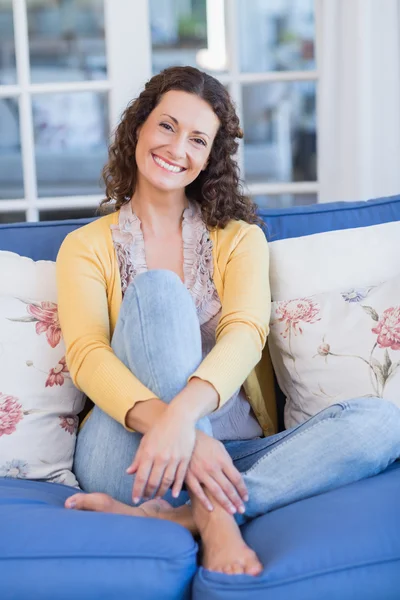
[{"x": 341, "y": 545}]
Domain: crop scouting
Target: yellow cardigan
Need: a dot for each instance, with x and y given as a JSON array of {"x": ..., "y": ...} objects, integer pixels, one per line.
[{"x": 89, "y": 300}]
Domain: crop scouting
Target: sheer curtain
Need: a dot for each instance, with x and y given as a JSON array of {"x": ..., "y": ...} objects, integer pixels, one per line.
[{"x": 359, "y": 98}]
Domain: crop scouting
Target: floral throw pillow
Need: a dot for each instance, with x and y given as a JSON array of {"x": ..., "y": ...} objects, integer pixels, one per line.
[
  {"x": 336, "y": 346},
  {"x": 38, "y": 402}
]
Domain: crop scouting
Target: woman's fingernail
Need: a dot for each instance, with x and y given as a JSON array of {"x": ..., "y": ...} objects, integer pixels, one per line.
[
  {"x": 210, "y": 507},
  {"x": 136, "y": 500},
  {"x": 232, "y": 510},
  {"x": 246, "y": 498},
  {"x": 241, "y": 509},
  {"x": 71, "y": 504}
]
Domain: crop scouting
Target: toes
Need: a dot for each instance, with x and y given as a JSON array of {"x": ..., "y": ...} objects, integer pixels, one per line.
[
  {"x": 238, "y": 569},
  {"x": 95, "y": 502},
  {"x": 227, "y": 569},
  {"x": 254, "y": 568},
  {"x": 75, "y": 501}
]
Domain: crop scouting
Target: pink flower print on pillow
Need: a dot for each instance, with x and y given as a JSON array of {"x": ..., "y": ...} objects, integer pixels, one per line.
[
  {"x": 69, "y": 423},
  {"x": 11, "y": 414},
  {"x": 388, "y": 329},
  {"x": 56, "y": 375},
  {"x": 46, "y": 315},
  {"x": 294, "y": 311}
]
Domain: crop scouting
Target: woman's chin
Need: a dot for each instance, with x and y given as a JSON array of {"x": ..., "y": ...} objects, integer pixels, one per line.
[{"x": 166, "y": 184}]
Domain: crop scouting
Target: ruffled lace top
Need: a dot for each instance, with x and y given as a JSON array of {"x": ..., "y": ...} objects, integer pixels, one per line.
[{"x": 198, "y": 265}]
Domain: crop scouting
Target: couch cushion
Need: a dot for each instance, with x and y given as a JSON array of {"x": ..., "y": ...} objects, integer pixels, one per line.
[
  {"x": 343, "y": 544},
  {"x": 49, "y": 552},
  {"x": 307, "y": 220},
  {"x": 41, "y": 241}
]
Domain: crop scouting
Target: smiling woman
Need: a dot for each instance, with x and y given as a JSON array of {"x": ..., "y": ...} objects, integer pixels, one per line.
[
  {"x": 164, "y": 306},
  {"x": 184, "y": 119}
]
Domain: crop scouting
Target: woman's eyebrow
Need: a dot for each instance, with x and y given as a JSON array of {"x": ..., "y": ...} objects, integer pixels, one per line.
[{"x": 177, "y": 123}]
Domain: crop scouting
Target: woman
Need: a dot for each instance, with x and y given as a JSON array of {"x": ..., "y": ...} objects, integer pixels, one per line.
[{"x": 164, "y": 306}]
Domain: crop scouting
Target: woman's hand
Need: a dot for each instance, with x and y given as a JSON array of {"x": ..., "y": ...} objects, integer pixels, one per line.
[
  {"x": 163, "y": 457},
  {"x": 212, "y": 467}
]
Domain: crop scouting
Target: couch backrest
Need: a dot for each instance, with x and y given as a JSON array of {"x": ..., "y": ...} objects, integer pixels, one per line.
[{"x": 41, "y": 241}]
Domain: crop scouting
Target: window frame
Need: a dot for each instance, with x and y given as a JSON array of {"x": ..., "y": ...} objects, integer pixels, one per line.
[{"x": 128, "y": 36}]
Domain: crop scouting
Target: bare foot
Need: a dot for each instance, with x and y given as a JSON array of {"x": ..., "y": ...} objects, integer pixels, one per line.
[
  {"x": 98, "y": 502},
  {"x": 224, "y": 549},
  {"x": 156, "y": 508}
]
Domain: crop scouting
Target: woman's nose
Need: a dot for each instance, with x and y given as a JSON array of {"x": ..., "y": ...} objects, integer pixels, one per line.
[{"x": 177, "y": 148}]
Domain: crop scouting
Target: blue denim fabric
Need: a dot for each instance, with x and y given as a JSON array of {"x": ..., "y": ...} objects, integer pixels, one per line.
[{"x": 158, "y": 338}]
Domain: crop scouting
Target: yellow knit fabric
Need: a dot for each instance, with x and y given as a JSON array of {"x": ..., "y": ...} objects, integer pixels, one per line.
[{"x": 90, "y": 297}]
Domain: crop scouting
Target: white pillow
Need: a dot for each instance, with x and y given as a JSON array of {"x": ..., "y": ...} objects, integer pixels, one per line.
[
  {"x": 331, "y": 260},
  {"x": 38, "y": 402},
  {"x": 336, "y": 346}
]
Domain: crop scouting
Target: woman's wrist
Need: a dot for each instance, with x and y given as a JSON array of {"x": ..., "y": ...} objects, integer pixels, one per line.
[
  {"x": 198, "y": 399},
  {"x": 142, "y": 416}
]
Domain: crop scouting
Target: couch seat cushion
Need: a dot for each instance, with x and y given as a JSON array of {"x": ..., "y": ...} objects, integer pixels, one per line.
[
  {"x": 49, "y": 552},
  {"x": 344, "y": 544}
]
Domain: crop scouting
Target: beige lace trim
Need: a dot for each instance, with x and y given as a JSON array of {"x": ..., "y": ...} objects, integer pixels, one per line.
[{"x": 198, "y": 265}]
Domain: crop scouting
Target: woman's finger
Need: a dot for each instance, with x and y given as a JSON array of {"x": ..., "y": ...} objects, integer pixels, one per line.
[
  {"x": 141, "y": 478},
  {"x": 229, "y": 491},
  {"x": 155, "y": 478},
  {"x": 217, "y": 492},
  {"x": 134, "y": 465},
  {"x": 168, "y": 478},
  {"x": 179, "y": 478},
  {"x": 236, "y": 479},
  {"x": 194, "y": 485}
]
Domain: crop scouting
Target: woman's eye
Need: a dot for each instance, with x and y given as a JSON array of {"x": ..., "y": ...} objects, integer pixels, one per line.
[
  {"x": 166, "y": 126},
  {"x": 200, "y": 141}
]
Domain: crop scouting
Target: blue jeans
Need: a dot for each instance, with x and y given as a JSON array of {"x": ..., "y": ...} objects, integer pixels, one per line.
[{"x": 157, "y": 337}]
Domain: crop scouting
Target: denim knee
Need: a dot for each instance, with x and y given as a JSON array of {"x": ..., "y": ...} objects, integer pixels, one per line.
[
  {"x": 378, "y": 419},
  {"x": 158, "y": 292}
]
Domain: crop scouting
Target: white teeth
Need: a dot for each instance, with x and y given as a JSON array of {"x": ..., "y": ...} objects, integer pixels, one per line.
[{"x": 165, "y": 165}]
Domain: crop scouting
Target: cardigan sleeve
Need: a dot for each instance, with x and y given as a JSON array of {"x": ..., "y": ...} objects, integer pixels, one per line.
[
  {"x": 244, "y": 324},
  {"x": 85, "y": 324}
]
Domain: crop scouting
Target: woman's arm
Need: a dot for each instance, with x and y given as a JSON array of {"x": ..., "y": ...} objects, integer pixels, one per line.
[
  {"x": 246, "y": 307},
  {"x": 197, "y": 399},
  {"x": 169, "y": 453},
  {"x": 84, "y": 318}
]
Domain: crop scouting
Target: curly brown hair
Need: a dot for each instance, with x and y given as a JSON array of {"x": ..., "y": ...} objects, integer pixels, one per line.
[{"x": 217, "y": 189}]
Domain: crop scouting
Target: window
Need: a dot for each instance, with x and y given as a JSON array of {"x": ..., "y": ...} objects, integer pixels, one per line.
[
  {"x": 58, "y": 103},
  {"x": 264, "y": 52},
  {"x": 68, "y": 69}
]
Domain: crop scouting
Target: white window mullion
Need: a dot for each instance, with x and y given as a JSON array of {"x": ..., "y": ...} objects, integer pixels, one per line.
[
  {"x": 274, "y": 76},
  {"x": 25, "y": 107},
  {"x": 73, "y": 86},
  {"x": 234, "y": 68},
  {"x": 128, "y": 44},
  {"x": 67, "y": 202},
  {"x": 295, "y": 187},
  {"x": 9, "y": 91},
  {"x": 12, "y": 205}
]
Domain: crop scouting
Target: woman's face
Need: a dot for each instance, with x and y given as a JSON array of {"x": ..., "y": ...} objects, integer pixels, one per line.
[{"x": 175, "y": 141}]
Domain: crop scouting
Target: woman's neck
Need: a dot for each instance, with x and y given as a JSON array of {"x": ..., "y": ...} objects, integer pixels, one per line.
[{"x": 159, "y": 212}]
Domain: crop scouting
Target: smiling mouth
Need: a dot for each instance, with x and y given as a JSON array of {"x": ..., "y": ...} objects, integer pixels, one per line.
[{"x": 166, "y": 166}]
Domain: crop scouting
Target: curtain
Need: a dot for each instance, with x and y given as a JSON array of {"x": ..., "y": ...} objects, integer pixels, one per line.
[{"x": 358, "y": 45}]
